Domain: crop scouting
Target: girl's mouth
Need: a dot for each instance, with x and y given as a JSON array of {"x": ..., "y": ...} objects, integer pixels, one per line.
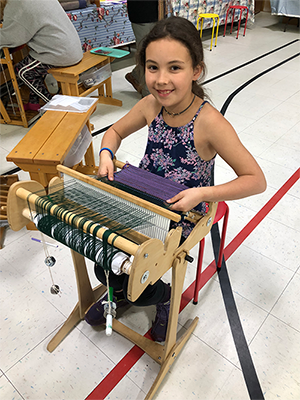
[{"x": 164, "y": 93}]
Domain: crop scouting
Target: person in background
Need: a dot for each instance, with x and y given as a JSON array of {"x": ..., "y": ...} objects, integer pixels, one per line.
[
  {"x": 143, "y": 14},
  {"x": 185, "y": 133},
  {"x": 51, "y": 37}
]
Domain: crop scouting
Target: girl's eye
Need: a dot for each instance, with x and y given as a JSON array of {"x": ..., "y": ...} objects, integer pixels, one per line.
[
  {"x": 175, "y": 68},
  {"x": 152, "y": 67}
]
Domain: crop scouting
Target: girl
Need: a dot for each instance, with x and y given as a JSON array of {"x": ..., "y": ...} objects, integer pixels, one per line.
[{"x": 185, "y": 135}]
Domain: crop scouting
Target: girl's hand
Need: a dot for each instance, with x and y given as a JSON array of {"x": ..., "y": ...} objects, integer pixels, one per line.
[
  {"x": 106, "y": 166},
  {"x": 186, "y": 200}
]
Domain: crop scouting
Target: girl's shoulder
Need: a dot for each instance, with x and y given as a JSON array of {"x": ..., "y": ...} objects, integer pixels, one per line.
[
  {"x": 149, "y": 107},
  {"x": 210, "y": 117},
  {"x": 211, "y": 126}
]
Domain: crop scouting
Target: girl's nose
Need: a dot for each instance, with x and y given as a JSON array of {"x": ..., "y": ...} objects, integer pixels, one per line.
[{"x": 162, "y": 78}]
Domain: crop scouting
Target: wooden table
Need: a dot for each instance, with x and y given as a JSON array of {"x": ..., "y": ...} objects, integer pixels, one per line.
[
  {"x": 48, "y": 143},
  {"x": 68, "y": 78}
]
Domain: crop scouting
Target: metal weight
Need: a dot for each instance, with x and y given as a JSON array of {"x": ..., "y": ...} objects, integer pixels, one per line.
[
  {"x": 54, "y": 289},
  {"x": 50, "y": 261}
]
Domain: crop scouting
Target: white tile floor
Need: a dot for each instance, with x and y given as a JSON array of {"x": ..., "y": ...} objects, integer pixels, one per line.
[{"x": 264, "y": 270}]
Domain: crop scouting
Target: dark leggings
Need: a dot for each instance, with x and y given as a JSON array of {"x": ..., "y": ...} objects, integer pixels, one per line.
[
  {"x": 32, "y": 72},
  {"x": 152, "y": 295}
]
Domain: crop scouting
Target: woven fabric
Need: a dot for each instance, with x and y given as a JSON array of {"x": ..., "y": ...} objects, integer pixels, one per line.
[{"x": 148, "y": 183}]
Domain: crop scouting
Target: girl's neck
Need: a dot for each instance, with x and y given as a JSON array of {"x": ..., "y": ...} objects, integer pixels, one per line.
[
  {"x": 174, "y": 114},
  {"x": 184, "y": 118}
]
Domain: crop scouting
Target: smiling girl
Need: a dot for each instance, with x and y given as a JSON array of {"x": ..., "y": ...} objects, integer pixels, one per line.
[{"x": 185, "y": 135}]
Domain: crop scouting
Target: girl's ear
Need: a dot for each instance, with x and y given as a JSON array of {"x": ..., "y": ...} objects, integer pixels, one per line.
[{"x": 197, "y": 72}]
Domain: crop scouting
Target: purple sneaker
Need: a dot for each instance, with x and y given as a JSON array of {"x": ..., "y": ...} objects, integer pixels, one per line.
[{"x": 95, "y": 315}]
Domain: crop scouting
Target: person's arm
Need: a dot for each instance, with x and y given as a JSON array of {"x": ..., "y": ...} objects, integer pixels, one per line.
[
  {"x": 220, "y": 137},
  {"x": 13, "y": 34},
  {"x": 134, "y": 120}
]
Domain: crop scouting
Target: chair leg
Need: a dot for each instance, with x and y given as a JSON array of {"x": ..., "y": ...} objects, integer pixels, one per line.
[
  {"x": 222, "y": 243},
  {"x": 237, "y": 35},
  {"x": 212, "y": 34},
  {"x": 199, "y": 270},
  {"x": 225, "y": 22},
  {"x": 218, "y": 21},
  {"x": 232, "y": 21},
  {"x": 246, "y": 22}
]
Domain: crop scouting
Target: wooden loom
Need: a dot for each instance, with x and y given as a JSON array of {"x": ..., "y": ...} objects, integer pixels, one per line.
[
  {"x": 15, "y": 114},
  {"x": 152, "y": 258}
]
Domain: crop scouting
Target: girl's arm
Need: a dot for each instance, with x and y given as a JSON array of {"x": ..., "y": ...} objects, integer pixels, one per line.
[
  {"x": 216, "y": 135},
  {"x": 134, "y": 120}
]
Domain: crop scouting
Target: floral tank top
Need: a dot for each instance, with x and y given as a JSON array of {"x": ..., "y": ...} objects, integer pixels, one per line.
[{"x": 171, "y": 153}]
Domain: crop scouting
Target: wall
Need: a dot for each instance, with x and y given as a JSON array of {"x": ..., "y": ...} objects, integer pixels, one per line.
[{"x": 266, "y": 5}]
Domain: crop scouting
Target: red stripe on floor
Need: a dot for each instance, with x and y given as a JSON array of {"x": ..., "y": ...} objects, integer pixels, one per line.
[
  {"x": 245, "y": 232},
  {"x": 128, "y": 361}
]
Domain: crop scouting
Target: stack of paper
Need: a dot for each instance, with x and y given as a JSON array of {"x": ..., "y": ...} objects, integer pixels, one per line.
[{"x": 69, "y": 103}]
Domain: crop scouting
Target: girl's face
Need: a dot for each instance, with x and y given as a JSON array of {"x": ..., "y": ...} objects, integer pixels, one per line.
[{"x": 169, "y": 73}]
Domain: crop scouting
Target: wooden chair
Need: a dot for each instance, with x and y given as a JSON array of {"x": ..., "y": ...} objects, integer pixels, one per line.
[{"x": 69, "y": 79}]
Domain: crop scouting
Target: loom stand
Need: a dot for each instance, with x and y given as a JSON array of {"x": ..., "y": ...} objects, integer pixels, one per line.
[
  {"x": 86, "y": 298},
  {"x": 166, "y": 354}
]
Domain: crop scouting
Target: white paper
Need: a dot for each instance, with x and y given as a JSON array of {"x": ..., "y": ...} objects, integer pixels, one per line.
[{"x": 69, "y": 103}]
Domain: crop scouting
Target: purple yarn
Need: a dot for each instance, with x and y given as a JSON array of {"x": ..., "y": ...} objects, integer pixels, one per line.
[{"x": 148, "y": 183}]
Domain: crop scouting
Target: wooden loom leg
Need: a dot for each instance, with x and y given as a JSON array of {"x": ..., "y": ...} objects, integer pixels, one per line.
[
  {"x": 2, "y": 236},
  {"x": 86, "y": 297},
  {"x": 170, "y": 359},
  {"x": 167, "y": 353},
  {"x": 171, "y": 347},
  {"x": 4, "y": 114},
  {"x": 16, "y": 87}
]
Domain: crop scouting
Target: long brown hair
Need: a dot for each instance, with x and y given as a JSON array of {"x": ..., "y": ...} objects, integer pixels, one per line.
[{"x": 183, "y": 31}]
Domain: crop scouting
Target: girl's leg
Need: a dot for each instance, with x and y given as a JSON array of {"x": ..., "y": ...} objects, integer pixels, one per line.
[
  {"x": 95, "y": 315},
  {"x": 152, "y": 295},
  {"x": 32, "y": 72},
  {"x": 158, "y": 294}
]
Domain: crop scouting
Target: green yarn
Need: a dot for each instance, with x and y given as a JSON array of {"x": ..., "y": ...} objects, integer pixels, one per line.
[{"x": 90, "y": 207}]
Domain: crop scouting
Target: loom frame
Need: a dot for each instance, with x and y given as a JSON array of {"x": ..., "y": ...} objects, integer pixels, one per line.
[
  {"x": 5, "y": 118},
  {"x": 160, "y": 258}
]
